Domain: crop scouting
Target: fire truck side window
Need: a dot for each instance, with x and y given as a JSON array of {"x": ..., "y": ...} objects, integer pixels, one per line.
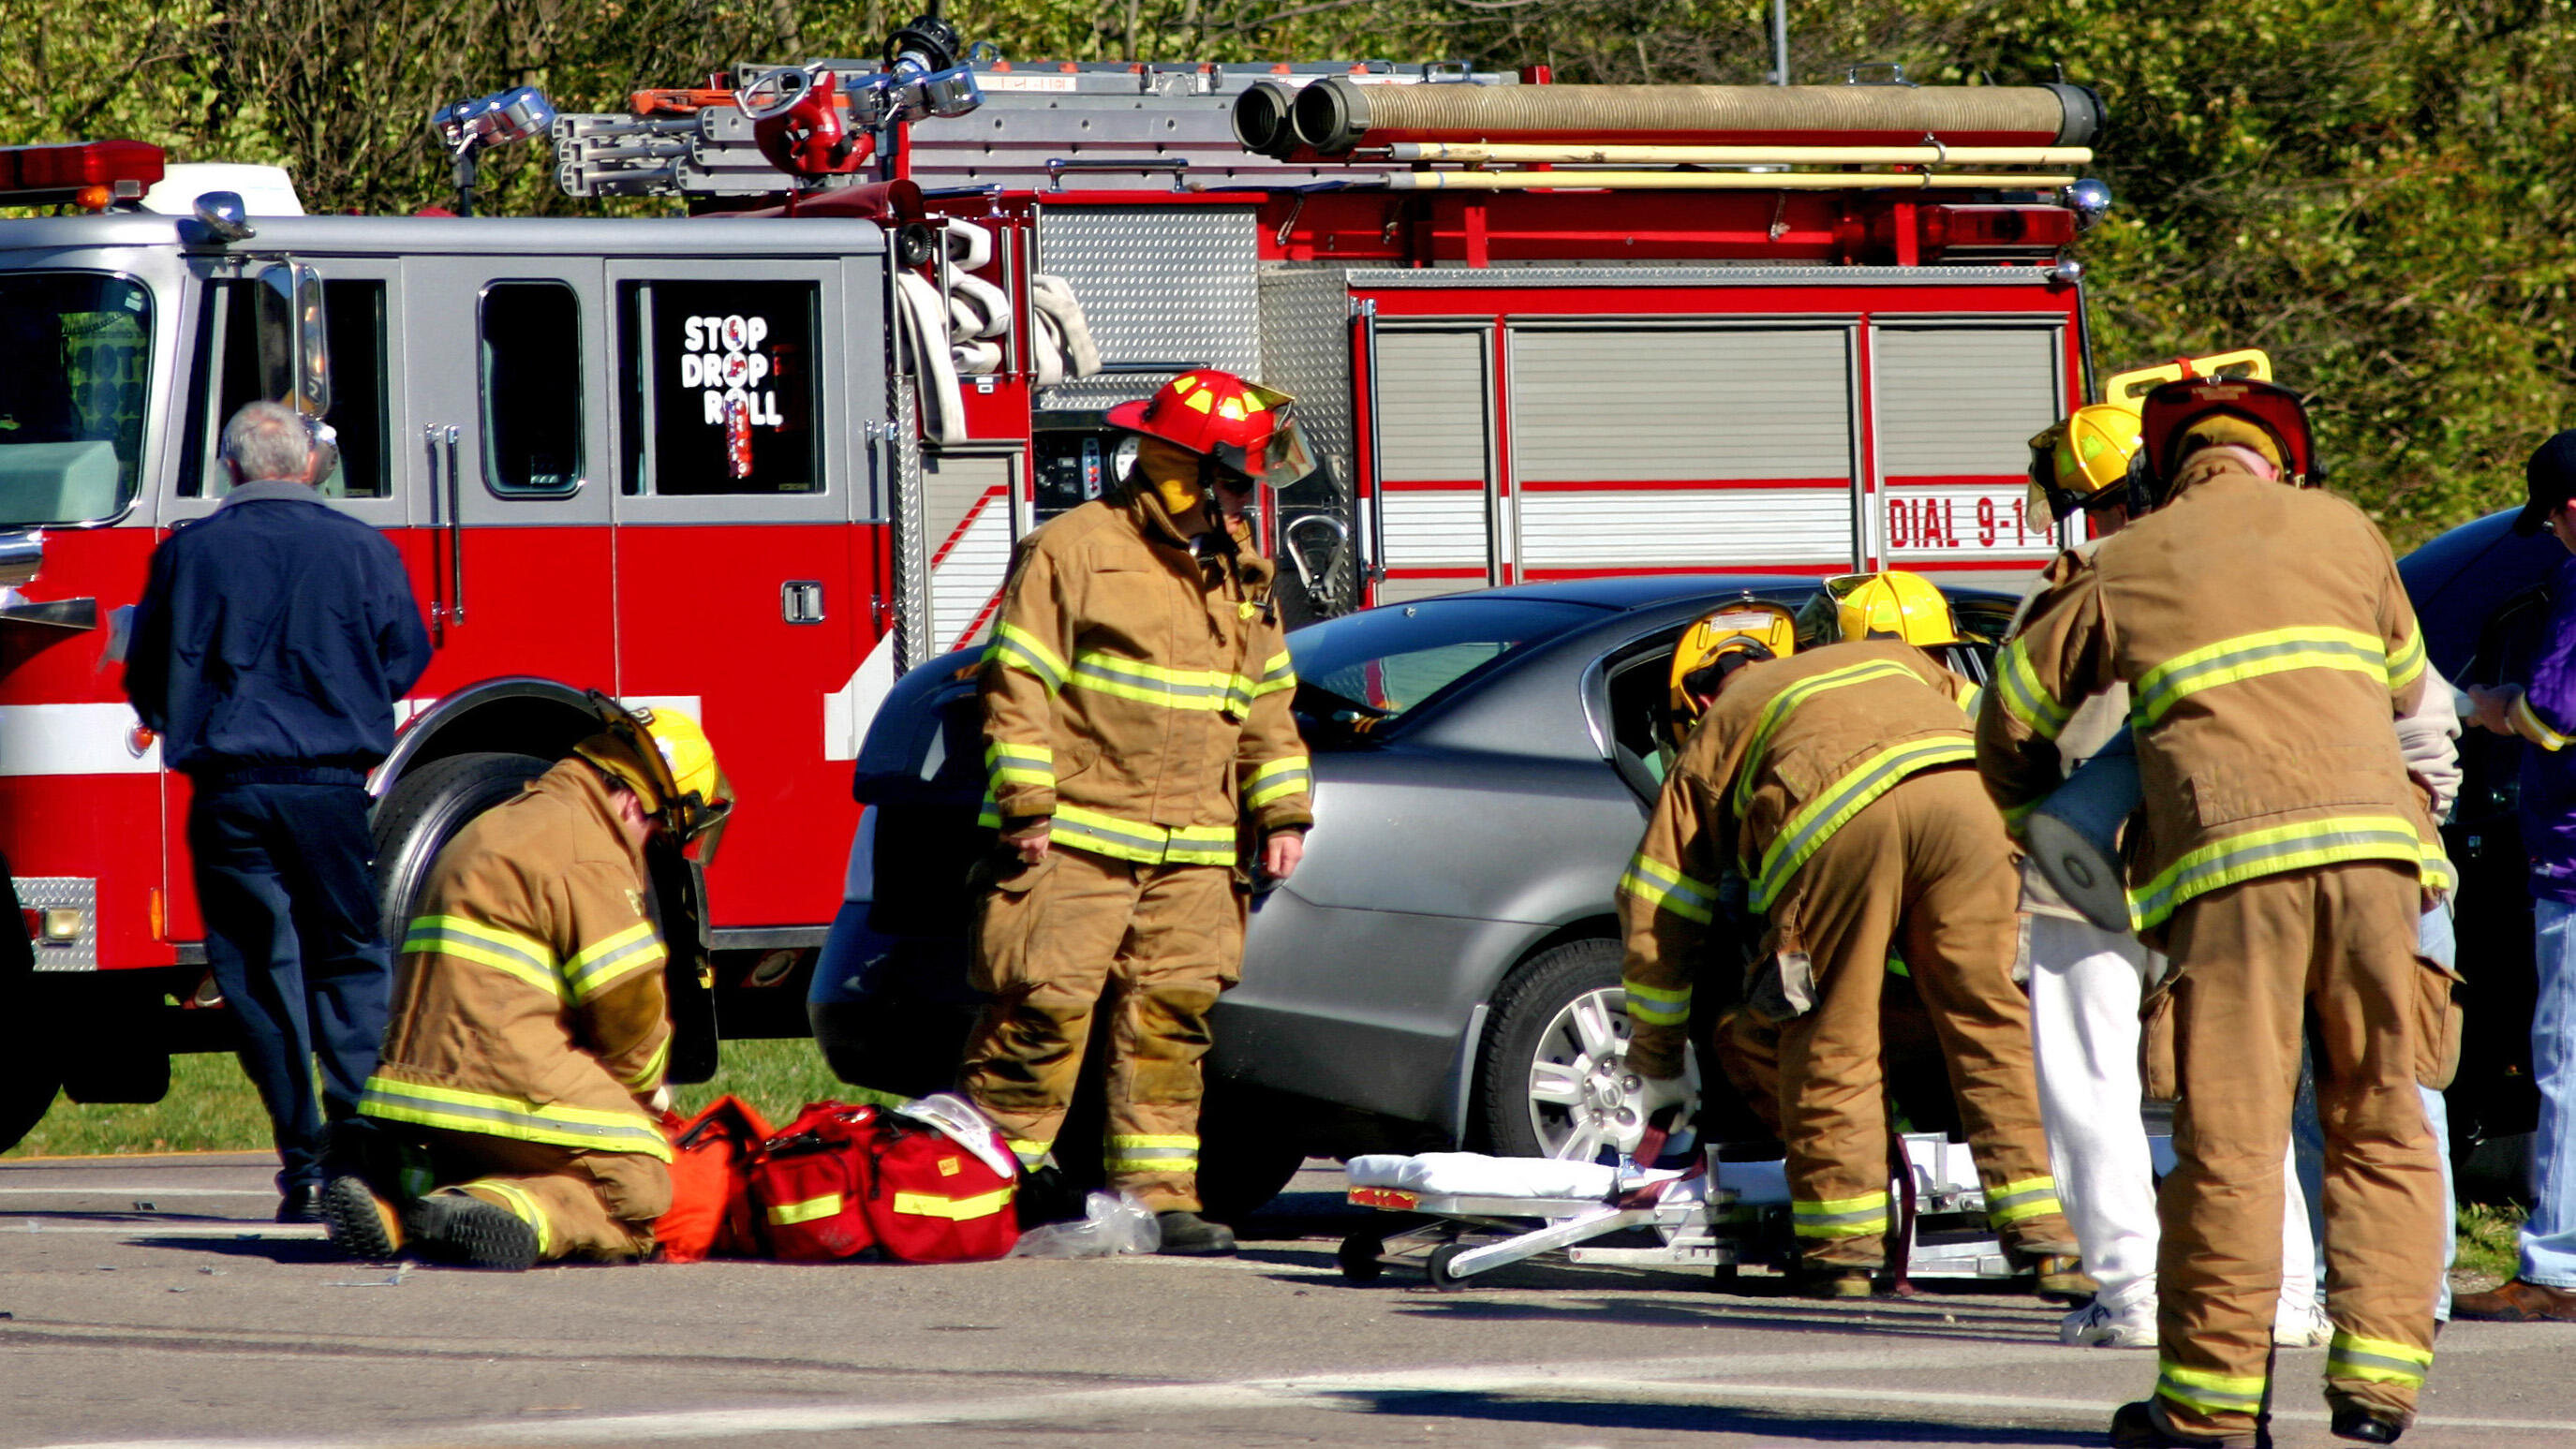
[
  {"x": 531, "y": 360},
  {"x": 228, "y": 366},
  {"x": 722, "y": 388},
  {"x": 75, "y": 354}
]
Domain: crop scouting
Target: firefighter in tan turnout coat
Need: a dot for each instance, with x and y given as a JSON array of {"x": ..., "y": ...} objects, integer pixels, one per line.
[
  {"x": 2267, "y": 646},
  {"x": 512, "y": 1118},
  {"x": 1136, "y": 710},
  {"x": 1835, "y": 782}
]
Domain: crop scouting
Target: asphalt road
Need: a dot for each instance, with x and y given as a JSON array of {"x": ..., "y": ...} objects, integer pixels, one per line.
[{"x": 147, "y": 1301}]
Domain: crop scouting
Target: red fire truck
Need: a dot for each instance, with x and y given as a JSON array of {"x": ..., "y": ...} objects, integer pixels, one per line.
[{"x": 757, "y": 459}]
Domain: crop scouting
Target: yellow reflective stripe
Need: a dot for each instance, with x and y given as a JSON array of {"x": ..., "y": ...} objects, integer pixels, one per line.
[
  {"x": 649, "y": 1075},
  {"x": 1666, "y": 889},
  {"x": 517, "y": 1118},
  {"x": 2252, "y": 656},
  {"x": 524, "y": 957},
  {"x": 1277, "y": 675},
  {"x": 2530, "y": 726},
  {"x": 1787, "y": 700},
  {"x": 1287, "y": 775},
  {"x": 2017, "y": 685},
  {"x": 2208, "y": 1392},
  {"x": 1020, "y": 764},
  {"x": 1153, "y": 684},
  {"x": 1148, "y": 844},
  {"x": 788, "y": 1214},
  {"x": 1172, "y": 1139},
  {"x": 1015, "y": 645},
  {"x": 522, "y": 1207},
  {"x": 1975, "y": 700},
  {"x": 1151, "y": 1151},
  {"x": 1657, "y": 1005},
  {"x": 954, "y": 1209},
  {"x": 2407, "y": 664},
  {"x": 1839, "y": 1217},
  {"x": 605, "y": 963},
  {"x": 1806, "y": 832},
  {"x": 2015, "y": 1202},
  {"x": 989, "y": 814},
  {"x": 1028, "y": 1152},
  {"x": 2377, "y": 1360},
  {"x": 2269, "y": 852}
]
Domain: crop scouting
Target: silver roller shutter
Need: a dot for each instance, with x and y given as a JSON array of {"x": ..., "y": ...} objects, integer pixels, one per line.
[
  {"x": 1688, "y": 448},
  {"x": 1435, "y": 462},
  {"x": 1957, "y": 407}
]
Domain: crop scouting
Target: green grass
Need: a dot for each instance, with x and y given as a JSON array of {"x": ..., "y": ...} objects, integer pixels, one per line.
[
  {"x": 2489, "y": 1251},
  {"x": 213, "y": 1108}
]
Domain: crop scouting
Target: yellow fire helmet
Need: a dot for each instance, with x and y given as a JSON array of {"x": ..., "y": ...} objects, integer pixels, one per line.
[
  {"x": 2084, "y": 460},
  {"x": 1893, "y": 604},
  {"x": 666, "y": 759},
  {"x": 1741, "y": 627}
]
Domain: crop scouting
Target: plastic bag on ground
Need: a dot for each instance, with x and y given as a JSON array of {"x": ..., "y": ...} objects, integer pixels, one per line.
[{"x": 1110, "y": 1227}]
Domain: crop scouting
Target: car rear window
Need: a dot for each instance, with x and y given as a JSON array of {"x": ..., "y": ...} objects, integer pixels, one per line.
[{"x": 1368, "y": 668}]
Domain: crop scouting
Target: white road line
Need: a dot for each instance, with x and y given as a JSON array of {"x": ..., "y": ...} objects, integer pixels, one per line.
[
  {"x": 146, "y": 1194},
  {"x": 1658, "y": 1382},
  {"x": 244, "y": 1228}
]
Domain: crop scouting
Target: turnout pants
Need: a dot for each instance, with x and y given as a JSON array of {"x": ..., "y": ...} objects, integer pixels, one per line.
[
  {"x": 1161, "y": 941},
  {"x": 583, "y": 1204},
  {"x": 2085, "y": 987},
  {"x": 1924, "y": 873},
  {"x": 2333, "y": 946}
]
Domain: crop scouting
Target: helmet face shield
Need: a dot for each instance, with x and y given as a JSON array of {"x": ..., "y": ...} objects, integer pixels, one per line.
[
  {"x": 1242, "y": 427},
  {"x": 643, "y": 749}
]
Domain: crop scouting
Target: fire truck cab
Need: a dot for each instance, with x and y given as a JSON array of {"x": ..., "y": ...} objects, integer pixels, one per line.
[{"x": 757, "y": 460}]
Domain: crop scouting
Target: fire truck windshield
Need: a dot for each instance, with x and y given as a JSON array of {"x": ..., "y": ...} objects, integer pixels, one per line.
[{"x": 72, "y": 395}]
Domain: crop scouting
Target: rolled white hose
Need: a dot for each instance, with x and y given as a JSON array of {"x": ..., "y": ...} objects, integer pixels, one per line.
[
  {"x": 970, "y": 247},
  {"x": 943, "y": 401}
]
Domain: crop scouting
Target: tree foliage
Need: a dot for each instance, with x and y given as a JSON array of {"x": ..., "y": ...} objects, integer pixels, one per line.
[{"x": 2379, "y": 191}]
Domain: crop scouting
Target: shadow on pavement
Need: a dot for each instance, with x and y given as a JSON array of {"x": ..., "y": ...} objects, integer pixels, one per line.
[
  {"x": 1767, "y": 1425},
  {"x": 276, "y": 1250}
]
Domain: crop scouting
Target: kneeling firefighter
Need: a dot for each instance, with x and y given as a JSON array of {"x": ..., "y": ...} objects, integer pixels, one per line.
[
  {"x": 1837, "y": 783},
  {"x": 512, "y": 1118},
  {"x": 1135, "y": 715}
]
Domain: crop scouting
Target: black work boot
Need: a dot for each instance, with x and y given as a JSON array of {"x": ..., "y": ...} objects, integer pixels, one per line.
[
  {"x": 2140, "y": 1425},
  {"x": 1187, "y": 1235},
  {"x": 452, "y": 1227},
  {"x": 362, "y": 1225},
  {"x": 296, "y": 1205},
  {"x": 2369, "y": 1426}
]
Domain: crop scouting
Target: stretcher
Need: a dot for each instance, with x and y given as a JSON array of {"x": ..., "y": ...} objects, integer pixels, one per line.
[{"x": 1480, "y": 1213}]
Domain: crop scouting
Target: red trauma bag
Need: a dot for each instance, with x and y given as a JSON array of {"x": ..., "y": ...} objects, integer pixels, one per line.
[
  {"x": 811, "y": 1184},
  {"x": 711, "y": 1156},
  {"x": 932, "y": 1200}
]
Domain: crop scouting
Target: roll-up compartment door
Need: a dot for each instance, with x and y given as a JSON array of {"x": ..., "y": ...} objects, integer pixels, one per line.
[
  {"x": 1957, "y": 407},
  {"x": 967, "y": 505},
  {"x": 1435, "y": 462},
  {"x": 1637, "y": 449}
]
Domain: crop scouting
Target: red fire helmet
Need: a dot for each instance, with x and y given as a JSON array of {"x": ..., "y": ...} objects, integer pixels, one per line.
[
  {"x": 2173, "y": 407},
  {"x": 1244, "y": 426}
]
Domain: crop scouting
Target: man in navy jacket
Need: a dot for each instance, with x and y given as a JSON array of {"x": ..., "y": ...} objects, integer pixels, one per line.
[{"x": 271, "y": 643}]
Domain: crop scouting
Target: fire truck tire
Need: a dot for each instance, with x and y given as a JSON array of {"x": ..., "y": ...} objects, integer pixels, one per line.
[{"x": 424, "y": 811}]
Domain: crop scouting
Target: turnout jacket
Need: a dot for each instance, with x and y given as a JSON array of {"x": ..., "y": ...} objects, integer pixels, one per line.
[
  {"x": 529, "y": 1002},
  {"x": 2268, "y": 648},
  {"x": 1792, "y": 750},
  {"x": 1136, "y": 693}
]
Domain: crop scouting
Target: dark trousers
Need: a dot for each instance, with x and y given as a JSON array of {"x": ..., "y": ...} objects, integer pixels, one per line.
[{"x": 289, "y": 895}]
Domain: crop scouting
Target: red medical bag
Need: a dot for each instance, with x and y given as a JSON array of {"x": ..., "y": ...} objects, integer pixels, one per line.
[
  {"x": 711, "y": 1155},
  {"x": 811, "y": 1181},
  {"x": 933, "y": 1201}
]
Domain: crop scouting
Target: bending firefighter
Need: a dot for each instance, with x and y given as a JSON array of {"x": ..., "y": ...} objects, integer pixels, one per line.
[
  {"x": 1835, "y": 782},
  {"x": 1135, "y": 713},
  {"x": 513, "y": 1113},
  {"x": 2268, "y": 647}
]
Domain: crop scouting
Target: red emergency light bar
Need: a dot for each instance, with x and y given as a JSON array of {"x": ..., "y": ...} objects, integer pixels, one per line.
[
  {"x": 92, "y": 174},
  {"x": 1912, "y": 233}
]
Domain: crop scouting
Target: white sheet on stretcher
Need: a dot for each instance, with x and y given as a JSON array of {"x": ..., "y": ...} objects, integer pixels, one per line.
[{"x": 1473, "y": 1174}]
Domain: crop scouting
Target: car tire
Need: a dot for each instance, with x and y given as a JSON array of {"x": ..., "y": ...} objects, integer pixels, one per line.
[
  {"x": 425, "y": 810},
  {"x": 1543, "y": 1072}
]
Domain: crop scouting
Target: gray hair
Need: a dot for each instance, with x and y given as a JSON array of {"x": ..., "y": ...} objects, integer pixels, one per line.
[{"x": 268, "y": 440}]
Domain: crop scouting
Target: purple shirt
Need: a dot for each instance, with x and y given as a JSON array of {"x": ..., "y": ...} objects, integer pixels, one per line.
[{"x": 2548, "y": 806}]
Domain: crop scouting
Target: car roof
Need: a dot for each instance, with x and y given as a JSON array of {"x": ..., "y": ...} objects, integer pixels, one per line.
[
  {"x": 1638, "y": 591},
  {"x": 2459, "y": 579}
]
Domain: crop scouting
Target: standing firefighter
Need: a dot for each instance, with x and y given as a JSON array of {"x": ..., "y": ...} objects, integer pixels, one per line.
[
  {"x": 2267, "y": 647},
  {"x": 1835, "y": 782},
  {"x": 1135, "y": 711},
  {"x": 530, "y": 1025}
]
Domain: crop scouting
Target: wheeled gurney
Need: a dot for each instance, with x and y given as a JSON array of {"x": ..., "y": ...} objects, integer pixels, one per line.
[{"x": 1709, "y": 1218}]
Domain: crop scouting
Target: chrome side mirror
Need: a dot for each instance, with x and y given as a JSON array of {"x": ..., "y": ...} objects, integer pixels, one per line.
[
  {"x": 294, "y": 338},
  {"x": 224, "y": 214}
]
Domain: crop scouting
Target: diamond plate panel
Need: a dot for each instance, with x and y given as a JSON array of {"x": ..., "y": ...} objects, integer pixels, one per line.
[
  {"x": 1159, "y": 285},
  {"x": 43, "y": 892},
  {"x": 1306, "y": 352}
]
